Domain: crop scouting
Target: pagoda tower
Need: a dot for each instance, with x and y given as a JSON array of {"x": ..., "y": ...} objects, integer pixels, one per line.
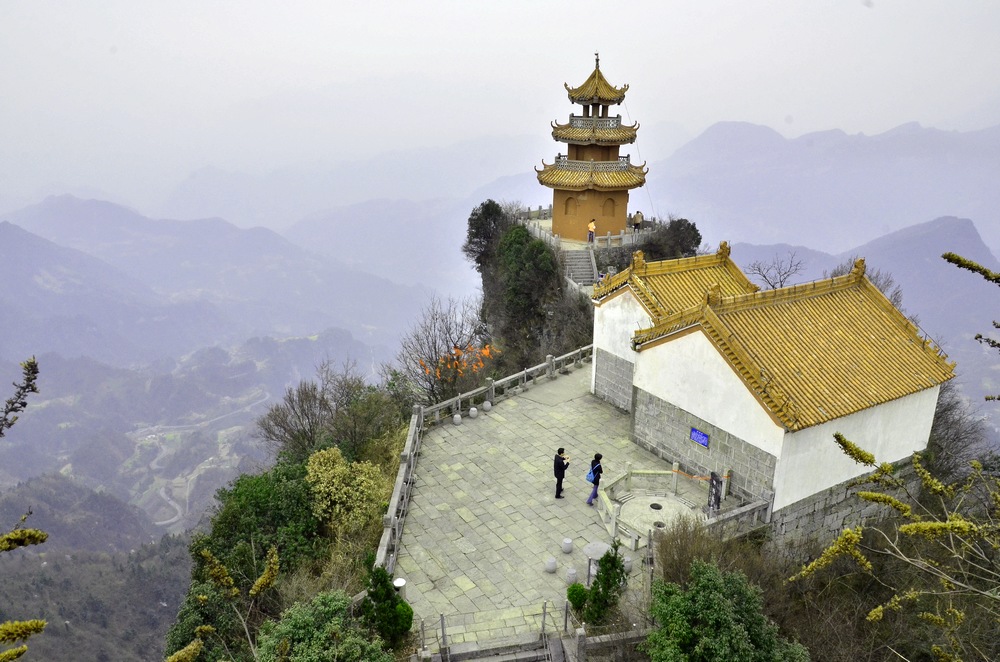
[{"x": 591, "y": 181}]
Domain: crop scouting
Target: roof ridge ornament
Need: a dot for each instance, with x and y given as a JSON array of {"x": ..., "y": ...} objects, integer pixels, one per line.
[
  {"x": 714, "y": 294},
  {"x": 638, "y": 261},
  {"x": 597, "y": 60},
  {"x": 724, "y": 249},
  {"x": 859, "y": 268}
]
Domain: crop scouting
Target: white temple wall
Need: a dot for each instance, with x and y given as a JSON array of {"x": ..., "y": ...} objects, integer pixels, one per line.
[
  {"x": 689, "y": 373},
  {"x": 615, "y": 321},
  {"x": 812, "y": 461}
]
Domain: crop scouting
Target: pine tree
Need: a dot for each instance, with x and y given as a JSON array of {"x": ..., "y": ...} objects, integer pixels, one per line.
[{"x": 12, "y": 632}]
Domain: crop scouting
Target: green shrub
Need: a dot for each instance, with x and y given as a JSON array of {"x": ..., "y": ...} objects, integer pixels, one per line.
[
  {"x": 576, "y": 593},
  {"x": 716, "y": 616},
  {"x": 384, "y": 611},
  {"x": 319, "y": 630},
  {"x": 346, "y": 496},
  {"x": 608, "y": 586},
  {"x": 256, "y": 512}
]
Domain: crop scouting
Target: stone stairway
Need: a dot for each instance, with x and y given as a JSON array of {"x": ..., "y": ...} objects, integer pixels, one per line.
[
  {"x": 530, "y": 648},
  {"x": 579, "y": 266}
]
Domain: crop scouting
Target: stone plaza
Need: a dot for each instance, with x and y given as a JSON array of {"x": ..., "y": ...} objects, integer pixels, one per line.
[{"x": 483, "y": 519}]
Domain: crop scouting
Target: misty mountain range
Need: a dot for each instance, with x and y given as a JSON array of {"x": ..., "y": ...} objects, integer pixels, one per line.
[
  {"x": 127, "y": 289},
  {"x": 121, "y": 306}
]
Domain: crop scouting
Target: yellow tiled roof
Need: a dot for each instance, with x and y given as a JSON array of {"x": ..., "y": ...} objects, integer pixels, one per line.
[
  {"x": 596, "y": 89},
  {"x": 815, "y": 352},
  {"x": 554, "y": 176},
  {"x": 593, "y": 135},
  {"x": 666, "y": 287}
]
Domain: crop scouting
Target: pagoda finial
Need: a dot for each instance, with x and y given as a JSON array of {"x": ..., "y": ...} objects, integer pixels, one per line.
[{"x": 597, "y": 60}]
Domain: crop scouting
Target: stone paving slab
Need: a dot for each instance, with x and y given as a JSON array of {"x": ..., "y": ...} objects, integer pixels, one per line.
[{"x": 483, "y": 518}]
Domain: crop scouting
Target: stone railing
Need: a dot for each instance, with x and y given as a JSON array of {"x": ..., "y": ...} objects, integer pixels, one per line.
[
  {"x": 563, "y": 162},
  {"x": 536, "y": 231},
  {"x": 736, "y": 516},
  {"x": 454, "y": 409},
  {"x": 620, "y": 238},
  {"x": 578, "y": 122},
  {"x": 538, "y": 213}
]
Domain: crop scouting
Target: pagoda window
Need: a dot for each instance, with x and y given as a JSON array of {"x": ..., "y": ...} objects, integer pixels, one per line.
[
  {"x": 609, "y": 207},
  {"x": 571, "y": 206}
]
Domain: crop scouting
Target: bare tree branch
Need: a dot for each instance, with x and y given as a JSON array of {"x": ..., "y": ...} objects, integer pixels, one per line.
[
  {"x": 778, "y": 271},
  {"x": 442, "y": 327}
]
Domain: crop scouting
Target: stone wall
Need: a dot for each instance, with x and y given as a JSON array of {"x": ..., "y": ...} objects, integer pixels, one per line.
[
  {"x": 665, "y": 429},
  {"x": 613, "y": 379},
  {"x": 821, "y": 517}
]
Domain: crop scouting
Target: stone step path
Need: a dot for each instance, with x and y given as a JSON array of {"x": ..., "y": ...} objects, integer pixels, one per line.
[
  {"x": 579, "y": 267},
  {"x": 529, "y": 648}
]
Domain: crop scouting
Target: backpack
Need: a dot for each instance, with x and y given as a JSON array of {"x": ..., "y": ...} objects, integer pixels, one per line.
[{"x": 590, "y": 474}]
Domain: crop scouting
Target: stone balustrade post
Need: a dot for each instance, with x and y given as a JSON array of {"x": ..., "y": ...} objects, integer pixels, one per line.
[
  {"x": 628, "y": 477},
  {"x": 725, "y": 482},
  {"x": 491, "y": 390},
  {"x": 581, "y": 645},
  {"x": 551, "y": 362},
  {"x": 444, "y": 638},
  {"x": 677, "y": 467}
]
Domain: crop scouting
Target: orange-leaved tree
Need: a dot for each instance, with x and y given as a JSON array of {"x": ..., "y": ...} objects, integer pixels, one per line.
[{"x": 448, "y": 351}]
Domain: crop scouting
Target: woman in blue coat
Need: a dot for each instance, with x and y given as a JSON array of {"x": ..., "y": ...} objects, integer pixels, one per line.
[{"x": 595, "y": 468}]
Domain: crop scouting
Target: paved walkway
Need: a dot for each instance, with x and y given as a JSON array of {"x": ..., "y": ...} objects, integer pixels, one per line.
[{"x": 483, "y": 518}]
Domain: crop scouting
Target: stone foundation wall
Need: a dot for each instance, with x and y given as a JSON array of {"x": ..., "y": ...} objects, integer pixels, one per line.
[
  {"x": 821, "y": 517},
  {"x": 664, "y": 429},
  {"x": 613, "y": 379}
]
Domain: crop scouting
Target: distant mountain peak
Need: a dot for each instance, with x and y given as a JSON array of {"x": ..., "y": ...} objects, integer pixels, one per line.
[{"x": 943, "y": 234}]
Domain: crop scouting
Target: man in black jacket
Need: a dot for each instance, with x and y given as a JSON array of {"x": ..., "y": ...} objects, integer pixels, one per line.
[{"x": 559, "y": 465}]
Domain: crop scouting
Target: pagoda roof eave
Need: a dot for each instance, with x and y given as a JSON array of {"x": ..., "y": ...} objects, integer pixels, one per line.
[
  {"x": 596, "y": 90},
  {"x": 566, "y": 133},
  {"x": 577, "y": 180}
]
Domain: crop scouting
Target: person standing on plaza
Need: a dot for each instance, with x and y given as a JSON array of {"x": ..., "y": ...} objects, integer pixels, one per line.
[
  {"x": 637, "y": 221},
  {"x": 559, "y": 464},
  {"x": 596, "y": 470},
  {"x": 591, "y": 229}
]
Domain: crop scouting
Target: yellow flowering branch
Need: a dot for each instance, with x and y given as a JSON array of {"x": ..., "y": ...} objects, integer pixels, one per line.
[
  {"x": 846, "y": 544},
  {"x": 270, "y": 574},
  {"x": 854, "y": 451}
]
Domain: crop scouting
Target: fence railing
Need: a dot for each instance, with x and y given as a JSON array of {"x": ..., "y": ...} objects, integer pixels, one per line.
[
  {"x": 454, "y": 409},
  {"x": 536, "y": 231}
]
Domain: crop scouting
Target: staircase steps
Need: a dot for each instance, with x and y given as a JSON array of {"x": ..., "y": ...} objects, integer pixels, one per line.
[
  {"x": 579, "y": 266},
  {"x": 531, "y": 648}
]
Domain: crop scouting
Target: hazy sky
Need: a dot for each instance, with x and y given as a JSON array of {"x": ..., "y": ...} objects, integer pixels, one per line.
[{"x": 127, "y": 97}]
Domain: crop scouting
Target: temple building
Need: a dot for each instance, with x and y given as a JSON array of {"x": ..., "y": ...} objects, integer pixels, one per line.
[
  {"x": 591, "y": 181},
  {"x": 721, "y": 377}
]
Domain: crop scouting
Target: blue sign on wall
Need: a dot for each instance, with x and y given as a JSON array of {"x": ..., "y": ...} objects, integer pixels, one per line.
[{"x": 699, "y": 437}]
